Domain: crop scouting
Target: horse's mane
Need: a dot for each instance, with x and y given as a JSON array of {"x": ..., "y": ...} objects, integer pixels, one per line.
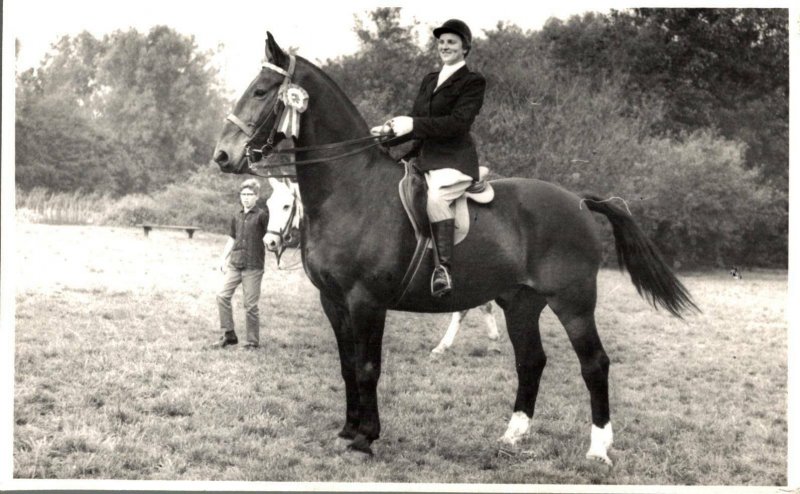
[
  {"x": 347, "y": 102},
  {"x": 342, "y": 96}
]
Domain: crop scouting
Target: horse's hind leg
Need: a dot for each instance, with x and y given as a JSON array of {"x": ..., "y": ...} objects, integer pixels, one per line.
[
  {"x": 522, "y": 310},
  {"x": 575, "y": 309}
]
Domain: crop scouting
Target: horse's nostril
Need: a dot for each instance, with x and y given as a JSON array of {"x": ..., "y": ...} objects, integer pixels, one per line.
[{"x": 221, "y": 158}]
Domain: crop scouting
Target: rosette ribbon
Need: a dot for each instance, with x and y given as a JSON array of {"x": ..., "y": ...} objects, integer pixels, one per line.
[{"x": 295, "y": 100}]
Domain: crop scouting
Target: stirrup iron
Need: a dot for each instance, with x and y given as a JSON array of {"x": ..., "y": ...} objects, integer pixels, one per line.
[{"x": 441, "y": 282}]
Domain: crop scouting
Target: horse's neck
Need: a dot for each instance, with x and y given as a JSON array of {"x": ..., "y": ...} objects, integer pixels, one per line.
[{"x": 356, "y": 181}]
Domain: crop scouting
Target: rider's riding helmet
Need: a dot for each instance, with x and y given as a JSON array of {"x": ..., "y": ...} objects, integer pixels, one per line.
[{"x": 458, "y": 27}]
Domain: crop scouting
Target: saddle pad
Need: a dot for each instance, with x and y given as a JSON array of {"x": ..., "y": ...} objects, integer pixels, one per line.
[{"x": 410, "y": 186}]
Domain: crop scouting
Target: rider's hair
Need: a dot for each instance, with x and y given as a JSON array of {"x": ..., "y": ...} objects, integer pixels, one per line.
[{"x": 251, "y": 184}]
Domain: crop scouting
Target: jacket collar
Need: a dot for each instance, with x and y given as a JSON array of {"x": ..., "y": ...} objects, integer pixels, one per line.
[
  {"x": 254, "y": 209},
  {"x": 458, "y": 74}
]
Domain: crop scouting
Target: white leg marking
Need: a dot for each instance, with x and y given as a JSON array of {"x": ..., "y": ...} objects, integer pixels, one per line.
[
  {"x": 517, "y": 427},
  {"x": 602, "y": 439},
  {"x": 452, "y": 330},
  {"x": 491, "y": 324}
]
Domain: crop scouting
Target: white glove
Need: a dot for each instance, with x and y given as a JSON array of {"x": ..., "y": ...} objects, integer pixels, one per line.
[
  {"x": 402, "y": 125},
  {"x": 381, "y": 130}
]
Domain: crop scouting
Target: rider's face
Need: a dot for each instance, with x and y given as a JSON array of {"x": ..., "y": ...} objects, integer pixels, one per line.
[{"x": 451, "y": 48}]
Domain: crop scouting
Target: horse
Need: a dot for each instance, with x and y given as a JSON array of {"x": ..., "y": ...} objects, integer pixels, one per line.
[
  {"x": 286, "y": 212},
  {"x": 535, "y": 245}
]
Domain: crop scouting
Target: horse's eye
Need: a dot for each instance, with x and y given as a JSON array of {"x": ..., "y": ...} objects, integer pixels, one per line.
[
  {"x": 286, "y": 207},
  {"x": 260, "y": 93}
]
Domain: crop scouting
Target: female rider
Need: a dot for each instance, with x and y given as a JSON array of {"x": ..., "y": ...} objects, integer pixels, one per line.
[{"x": 440, "y": 121}]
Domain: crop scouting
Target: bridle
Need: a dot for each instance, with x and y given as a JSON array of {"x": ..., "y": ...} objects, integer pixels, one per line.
[
  {"x": 255, "y": 154},
  {"x": 252, "y": 131},
  {"x": 285, "y": 233}
]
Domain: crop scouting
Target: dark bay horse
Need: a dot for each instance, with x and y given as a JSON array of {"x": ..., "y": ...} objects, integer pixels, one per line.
[{"x": 535, "y": 245}]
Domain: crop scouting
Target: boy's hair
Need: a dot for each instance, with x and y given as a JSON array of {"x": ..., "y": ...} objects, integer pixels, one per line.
[{"x": 251, "y": 184}]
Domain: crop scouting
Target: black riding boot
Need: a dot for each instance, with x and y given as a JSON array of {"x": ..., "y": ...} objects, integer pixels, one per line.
[{"x": 441, "y": 282}]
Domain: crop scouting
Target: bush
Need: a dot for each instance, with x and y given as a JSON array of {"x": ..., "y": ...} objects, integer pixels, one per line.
[
  {"x": 206, "y": 199},
  {"x": 134, "y": 209},
  {"x": 40, "y": 205},
  {"x": 700, "y": 204}
]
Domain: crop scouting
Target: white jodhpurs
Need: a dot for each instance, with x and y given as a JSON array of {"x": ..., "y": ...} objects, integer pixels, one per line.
[{"x": 444, "y": 186}]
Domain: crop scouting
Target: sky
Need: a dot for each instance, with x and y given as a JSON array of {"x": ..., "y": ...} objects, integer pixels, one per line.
[{"x": 320, "y": 30}]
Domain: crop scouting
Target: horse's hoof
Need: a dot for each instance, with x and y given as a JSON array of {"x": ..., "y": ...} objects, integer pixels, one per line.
[
  {"x": 437, "y": 351},
  {"x": 599, "y": 456},
  {"x": 361, "y": 445},
  {"x": 518, "y": 426},
  {"x": 494, "y": 347},
  {"x": 602, "y": 439},
  {"x": 347, "y": 432}
]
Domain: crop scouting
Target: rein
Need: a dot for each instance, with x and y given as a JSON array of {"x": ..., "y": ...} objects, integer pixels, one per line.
[
  {"x": 256, "y": 155},
  {"x": 378, "y": 140}
]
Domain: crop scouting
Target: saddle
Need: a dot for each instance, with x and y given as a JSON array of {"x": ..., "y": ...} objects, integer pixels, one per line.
[{"x": 414, "y": 196}]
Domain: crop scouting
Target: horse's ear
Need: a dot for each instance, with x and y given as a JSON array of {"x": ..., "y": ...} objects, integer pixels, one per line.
[
  {"x": 273, "y": 52},
  {"x": 294, "y": 188},
  {"x": 273, "y": 182}
]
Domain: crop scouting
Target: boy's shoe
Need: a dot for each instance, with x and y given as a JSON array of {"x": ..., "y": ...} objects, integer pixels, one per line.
[{"x": 228, "y": 339}]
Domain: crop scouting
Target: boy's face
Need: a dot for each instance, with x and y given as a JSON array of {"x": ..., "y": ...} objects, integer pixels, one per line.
[{"x": 248, "y": 198}]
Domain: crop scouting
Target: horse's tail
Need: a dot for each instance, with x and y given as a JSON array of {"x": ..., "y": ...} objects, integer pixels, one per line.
[{"x": 651, "y": 276}]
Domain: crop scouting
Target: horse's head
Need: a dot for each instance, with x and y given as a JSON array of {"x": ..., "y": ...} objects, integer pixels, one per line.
[
  {"x": 251, "y": 130},
  {"x": 285, "y": 211}
]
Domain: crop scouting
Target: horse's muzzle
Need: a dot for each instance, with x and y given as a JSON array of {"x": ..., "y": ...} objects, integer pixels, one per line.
[
  {"x": 273, "y": 242},
  {"x": 229, "y": 165}
]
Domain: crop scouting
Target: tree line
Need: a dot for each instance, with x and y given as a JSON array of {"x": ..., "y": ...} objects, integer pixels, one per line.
[
  {"x": 129, "y": 112},
  {"x": 680, "y": 113}
]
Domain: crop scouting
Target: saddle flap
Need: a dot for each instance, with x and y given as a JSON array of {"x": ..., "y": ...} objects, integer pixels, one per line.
[{"x": 414, "y": 196}]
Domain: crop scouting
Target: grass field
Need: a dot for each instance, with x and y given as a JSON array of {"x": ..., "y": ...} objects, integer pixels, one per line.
[{"x": 113, "y": 380}]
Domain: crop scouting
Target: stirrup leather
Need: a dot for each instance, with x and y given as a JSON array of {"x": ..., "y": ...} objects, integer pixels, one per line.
[{"x": 441, "y": 282}]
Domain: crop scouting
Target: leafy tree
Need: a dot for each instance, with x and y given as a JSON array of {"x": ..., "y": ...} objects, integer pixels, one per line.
[
  {"x": 383, "y": 77},
  {"x": 161, "y": 100},
  {"x": 129, "y": 112},
  {"x": 721, "y": 68}
]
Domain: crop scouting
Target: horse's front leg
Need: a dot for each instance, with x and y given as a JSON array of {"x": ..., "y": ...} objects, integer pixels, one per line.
[
  {"x": 338, "y": 317},
  {"x": 367, "y": 321}
]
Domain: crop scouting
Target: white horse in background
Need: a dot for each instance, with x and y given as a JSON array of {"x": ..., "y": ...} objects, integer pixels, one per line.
[{"x": 285, "y": 213}]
